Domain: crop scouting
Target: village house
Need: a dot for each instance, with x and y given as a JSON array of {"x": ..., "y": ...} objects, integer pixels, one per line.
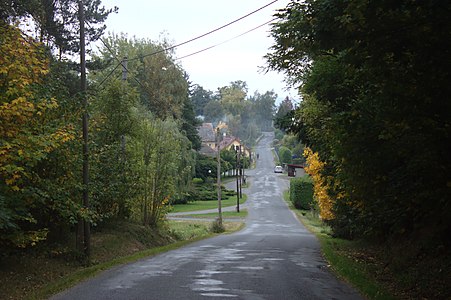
[{"x": 207, "y": 134}]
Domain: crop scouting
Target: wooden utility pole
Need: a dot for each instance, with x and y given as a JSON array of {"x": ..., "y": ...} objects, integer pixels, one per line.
[
  {"x": 240, "y": 169},
  {"x": 237, "y": 179},
  {"x": 86, "y": 226},
  {"x": 219, "y": 177}
]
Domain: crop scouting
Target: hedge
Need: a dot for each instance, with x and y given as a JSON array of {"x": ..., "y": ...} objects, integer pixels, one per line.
[{"x": 301, "y": 192}]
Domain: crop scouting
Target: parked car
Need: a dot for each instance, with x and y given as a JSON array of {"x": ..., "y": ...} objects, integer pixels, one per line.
[{"x": 278, "y": 169}]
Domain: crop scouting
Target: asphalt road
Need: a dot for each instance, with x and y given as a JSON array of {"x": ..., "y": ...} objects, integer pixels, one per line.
[{"x": 274, "y": 257}]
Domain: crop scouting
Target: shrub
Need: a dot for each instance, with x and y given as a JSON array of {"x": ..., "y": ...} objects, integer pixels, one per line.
[
  {"x": 315, "y": 168},
  {"x": 217, "y": 227},
  {"x": 301, "y": 192},
  {"x": 284, "y": 155},
  {"x": 198, "y": 180}
]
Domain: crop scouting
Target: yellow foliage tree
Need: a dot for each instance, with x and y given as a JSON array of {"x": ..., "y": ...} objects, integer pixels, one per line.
[
  {"x": 23, "y": 138},
  {"x": 27, "y": 135},
  {"x": 314, "y": 168}
]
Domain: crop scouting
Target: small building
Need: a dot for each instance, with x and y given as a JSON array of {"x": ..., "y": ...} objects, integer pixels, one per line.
[{"x": 295, "y": 170}]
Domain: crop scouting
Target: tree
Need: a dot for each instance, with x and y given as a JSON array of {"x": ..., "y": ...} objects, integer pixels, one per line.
[
  {"x": 284, "y": 115},
  {"x": 56, "y": 21},
  {"x": 200, "y": 98},
  {"x": 190, "y": 123},
  {"x": 263, "y": 105},
  {"x": 161, "y": 83},
  {"x": 114, "y": 122},
  {"x": 284, "y": 155},
  {"x": 155, "y": 151},
  {"x": 213, "y": 111},
  {"x": 29, "y": 132},
  {"x": 232, "y": 97},
  {"x": 374, "y": 95}
]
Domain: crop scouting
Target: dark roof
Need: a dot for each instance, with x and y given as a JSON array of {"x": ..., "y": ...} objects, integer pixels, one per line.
[
  {"x": 205, "y": 150},
  {"x": 295, "y": 166},
  {"x": 206, "y": 132}
]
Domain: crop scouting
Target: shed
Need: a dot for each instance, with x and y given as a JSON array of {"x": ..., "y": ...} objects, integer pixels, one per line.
[{"x": 295, "y": 170}]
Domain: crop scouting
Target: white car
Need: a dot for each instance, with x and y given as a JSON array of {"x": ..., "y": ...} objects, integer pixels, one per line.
[{"x": 278, "y": 169}]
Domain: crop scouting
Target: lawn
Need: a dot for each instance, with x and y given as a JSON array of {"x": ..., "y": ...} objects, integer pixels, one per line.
[
  {"x": 225, "y": 214},
  {"x": 204, "y": 205}
]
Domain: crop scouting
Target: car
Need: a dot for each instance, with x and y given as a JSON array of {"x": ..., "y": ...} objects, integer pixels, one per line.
[{"x": 278, "y": 169}]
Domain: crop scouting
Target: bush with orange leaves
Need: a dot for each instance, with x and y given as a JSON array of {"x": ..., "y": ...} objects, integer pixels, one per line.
[{"x": 320, "y": 186}]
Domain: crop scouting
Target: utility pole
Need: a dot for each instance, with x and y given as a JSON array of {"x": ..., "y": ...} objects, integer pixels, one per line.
[
  {"x": 243, "y": 166},
  {"x": 86, "y": 226},
  {"x": 219, "y": 177},
  {"x": 240, "y": 170},
  {"x": 237, "y": 178}
]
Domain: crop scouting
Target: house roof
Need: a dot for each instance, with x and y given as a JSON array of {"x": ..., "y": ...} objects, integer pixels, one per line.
[
  {"x": 205, "y": 150},
  {"x": 227, "y": 141},
  {"x": 206, "y": 132}
]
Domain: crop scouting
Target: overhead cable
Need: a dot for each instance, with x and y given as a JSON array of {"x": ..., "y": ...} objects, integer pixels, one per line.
[
  {"x": 205, "y": 34},
  {"x": 226, "y": 41}
]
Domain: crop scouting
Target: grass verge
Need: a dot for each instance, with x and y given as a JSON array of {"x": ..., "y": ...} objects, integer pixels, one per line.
[{"x": 349, "y": 260}]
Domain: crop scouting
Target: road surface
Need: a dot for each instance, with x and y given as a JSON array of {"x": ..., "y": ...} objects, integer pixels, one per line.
[{"x": 274, "y": 257}]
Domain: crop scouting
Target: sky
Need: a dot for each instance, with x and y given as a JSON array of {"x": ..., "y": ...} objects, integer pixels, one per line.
[{"x": 182, "y": 20}]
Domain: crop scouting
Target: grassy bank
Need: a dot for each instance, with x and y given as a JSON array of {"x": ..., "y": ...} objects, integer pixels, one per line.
[
  {"x": 43, "y": 272},
  {"x": 385, "y": 270},
  {"x": 348, "y": 259}
]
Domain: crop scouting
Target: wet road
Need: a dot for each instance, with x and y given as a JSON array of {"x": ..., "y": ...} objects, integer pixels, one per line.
[{"x": 274, "y": 257}]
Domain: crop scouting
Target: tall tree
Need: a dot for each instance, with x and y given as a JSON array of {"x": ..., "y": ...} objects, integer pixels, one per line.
[
  {"x": 190, "y": 124},
  {"x": 156, "y": 153},
  {"x": 284, "y": 115},
  {"x": 200, "y": 98},
  {"x": 56, "y": 20},
  {"x": 232, "y": 97},
  {"x": 374, "y": 109},
  {"x": 161, "y": 83},
  {"x": 30, "y": 132},
  {"x": 263, "y": 106}
]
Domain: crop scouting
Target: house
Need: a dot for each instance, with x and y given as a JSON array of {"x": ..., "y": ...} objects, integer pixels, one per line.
[
  {"x": 231, "y": 142},
  {"x": 207, "y": 134},
  {"x": 208, "y": 138}
]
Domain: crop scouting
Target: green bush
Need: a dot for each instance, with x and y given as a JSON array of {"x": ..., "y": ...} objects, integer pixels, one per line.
[
  {"x": 198, "y": 180},
  {"x": 284, "y": 155},
  {"x": 208, "y": 192},
  {"x": 301, "y": 192}
]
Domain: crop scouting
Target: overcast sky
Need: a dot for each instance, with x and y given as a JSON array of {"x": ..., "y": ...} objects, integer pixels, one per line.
[{"x": 182, "y": 20}]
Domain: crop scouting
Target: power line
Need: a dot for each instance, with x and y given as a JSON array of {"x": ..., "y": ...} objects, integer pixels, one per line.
[
  {"x": 205, "y": 34},
  {"x": 121, "y": 62},
  {"x": 109, "y": 74},
  {"x": 188, "y": 55},
  {"x": 226, "y": 41},
  {"x": 186, "y": 42}
]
